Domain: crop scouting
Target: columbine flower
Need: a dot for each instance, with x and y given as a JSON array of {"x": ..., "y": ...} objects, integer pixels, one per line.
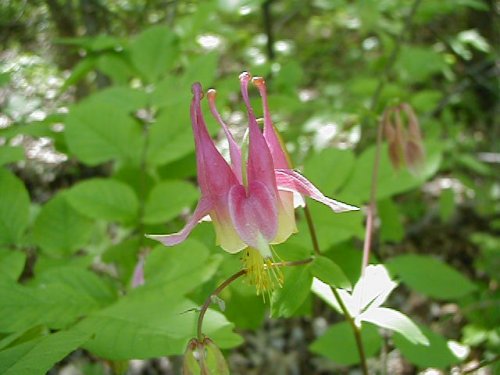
[{"x": 250, "y": 201}]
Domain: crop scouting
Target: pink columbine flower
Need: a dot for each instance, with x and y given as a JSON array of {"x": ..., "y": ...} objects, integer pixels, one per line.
[{"x": 250, "y": 201}]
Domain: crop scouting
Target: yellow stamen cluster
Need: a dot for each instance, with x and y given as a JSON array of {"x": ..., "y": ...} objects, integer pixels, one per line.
[{"x": 260, "y": 271}]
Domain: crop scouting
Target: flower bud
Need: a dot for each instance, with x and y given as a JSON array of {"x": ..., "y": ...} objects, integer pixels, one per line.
[
  {"x": 402, "y": 131},
  {"x": 204, "y": 358}
]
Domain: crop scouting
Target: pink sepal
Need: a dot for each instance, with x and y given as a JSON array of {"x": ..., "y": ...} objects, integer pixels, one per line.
[
  {"x": 288, "y": 179},
  {"x": 202, "y": 209}
]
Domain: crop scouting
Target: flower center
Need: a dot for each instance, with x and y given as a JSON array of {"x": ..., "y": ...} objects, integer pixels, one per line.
[{"x": 260, "y": 272}]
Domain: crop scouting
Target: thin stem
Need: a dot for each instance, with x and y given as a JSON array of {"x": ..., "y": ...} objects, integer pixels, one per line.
[
  {"x": 355, "y": 329},
  {"x": 215, "y": 293},
  {"x": 312, "y": 230},
  {"x": 268, "y": 28},
  {"x": 481, "y": 364},
  {"x": 394, "y": 54},
  {"x": 229, "y": 281},
  {"x": 373, "y": 105},
  {"x": 372, "y": 206}
]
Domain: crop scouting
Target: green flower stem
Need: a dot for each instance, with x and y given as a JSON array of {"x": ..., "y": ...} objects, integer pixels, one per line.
[
  {"x": 373, "y": 106},
  {"x": 215, "y": 293},
  {"x": 481, "y": 364},
  {"x": 394, "y": 55},
  {"x": 312, "y": 230},
  {"x": 372, "y": 206},
  {"x": 355, "y": 329},
  {"x": 228, "y": 282}
]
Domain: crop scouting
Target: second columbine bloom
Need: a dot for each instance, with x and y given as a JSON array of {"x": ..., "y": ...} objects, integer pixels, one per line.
[{"x": 250, "y": 200}]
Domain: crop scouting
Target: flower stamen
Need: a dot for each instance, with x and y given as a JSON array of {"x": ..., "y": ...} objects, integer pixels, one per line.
[{"x": 261, "y": 272}]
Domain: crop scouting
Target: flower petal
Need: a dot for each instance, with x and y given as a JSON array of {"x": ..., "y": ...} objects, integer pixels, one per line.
[
  {"x": 255, "y": 215},
  {"x": 288, "y": 179},
  {"x": 215, "y": 176},
  {"x": 226, "y": 235},
  {"x": 260, "y": 161},
  {"x": 234, "y": 149},
  {"x": 273, "y": 139},
  {"x": 202, "y": 209}
]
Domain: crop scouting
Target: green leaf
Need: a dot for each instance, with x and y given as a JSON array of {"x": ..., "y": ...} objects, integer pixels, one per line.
[
  {"x": 339, "y": 345},
  {"x": 416, "y": 64},
  {"x": 59, "y": 229},
  {"x": 390, "y": 182},
  {"x": 5, "y": 78},
  {"x": 395, "y": 321},
  {"x": 391, "y": 228},
  {"x": 437, "y": 354},
  {"x": 39, "y": 355},
  {"x": 331, "y": 228},
  {"x": 154, "y": 51},
  {"x": 152, "y": 323},
  {"x": 104, "y": 199},
  {"x": 22, "y": 336},
  {"x": 54, "y": 304},
  {"x": 14, "y": 208},
  {"x": 100, "y": 131},
  {"x": 171, "y": 137},
  {"x": 10, "y": 154},
  {"x": 329, "y": 272},
  {"x": 287, "y": 299},
  {"x": 348, "y": 257},
  {"x": 116, "y": 66},
  {"x": 11, "y": 264},
  {"x": 124, "y": 256},
  {"x": 337, "y": 163},
  {"x": 244, "y": 308},
  {"x": 426, "y": 100},
  {"x": 79, "y": 71},
  {"x": 82, "y": 281},
  {"x": 189, "y": 264},
  {"x": 446, "y": 204},
  {"x": 126, "y": 99},
  {"x": 430, "y": 276},
  {"x": 167, "y": 199}
]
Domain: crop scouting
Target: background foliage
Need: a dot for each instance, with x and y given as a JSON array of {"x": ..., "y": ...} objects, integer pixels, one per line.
[{"x": 96, "y": 150}]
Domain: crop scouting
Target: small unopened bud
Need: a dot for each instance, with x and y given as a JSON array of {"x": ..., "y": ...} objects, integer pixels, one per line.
[
  {"x": 216, "y": 363},
  {"x": 190, "y": 364},
  {"x": 388, "y": 126},
  {"x": 204, "y": 358},
  {"x": 402, "y": 132},
  {"x": 414, "y": 148}
]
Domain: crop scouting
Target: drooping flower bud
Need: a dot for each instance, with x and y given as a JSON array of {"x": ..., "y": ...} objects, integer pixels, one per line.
[
  {"x": 404, "y": 140},
  {"x": 414, "y": 150},
  {"x": 204, "y": 358}
]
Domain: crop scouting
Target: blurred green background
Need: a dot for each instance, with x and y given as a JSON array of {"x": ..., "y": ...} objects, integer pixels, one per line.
[{"x": 96, "y": 150}]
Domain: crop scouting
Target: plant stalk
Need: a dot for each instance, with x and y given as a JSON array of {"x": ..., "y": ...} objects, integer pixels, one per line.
[
  {"x": 215, "y": 293},
  {"x": 372, "y": 206},
  {"x": 229, "y": 281},
  {"x": 355, "y": 329}
]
